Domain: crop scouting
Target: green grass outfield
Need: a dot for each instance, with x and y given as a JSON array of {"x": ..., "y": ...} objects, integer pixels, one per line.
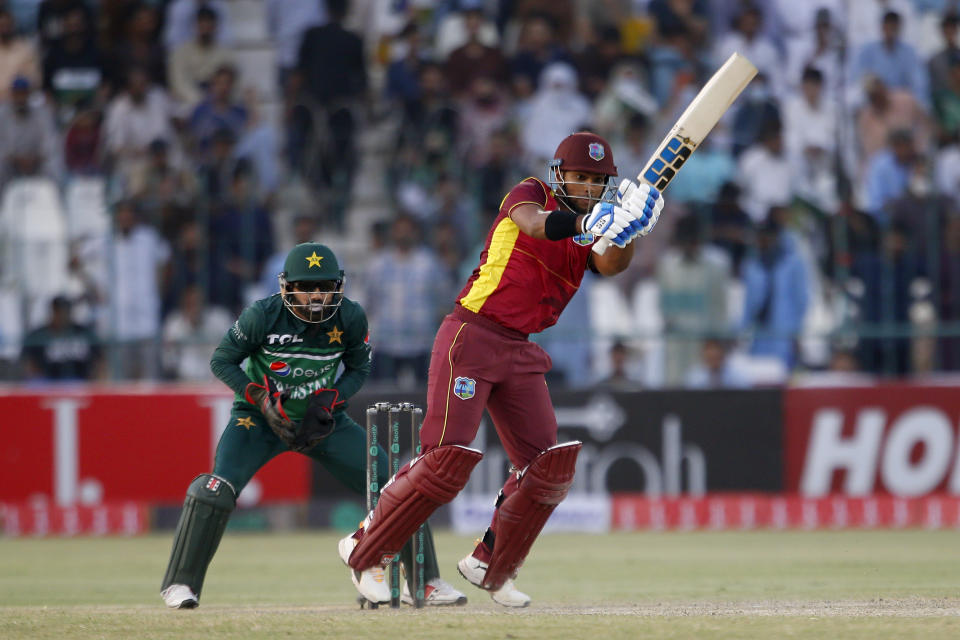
[{"x": 834, "y": 585}]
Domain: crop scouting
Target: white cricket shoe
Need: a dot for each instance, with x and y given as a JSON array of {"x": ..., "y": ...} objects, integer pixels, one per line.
[
  {"x": 371, "y": 583},
  {"x": 436, "y": 593},
  {"x": 180, "y": 596},
  {"x": 507, "y": 595}
]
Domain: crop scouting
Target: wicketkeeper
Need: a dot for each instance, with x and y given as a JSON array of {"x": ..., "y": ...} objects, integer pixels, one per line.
[{"x": 288, "y": 399}]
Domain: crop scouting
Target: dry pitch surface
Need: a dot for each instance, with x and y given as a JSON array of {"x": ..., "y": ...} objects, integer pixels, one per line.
[{"x": 842, "y": 584}]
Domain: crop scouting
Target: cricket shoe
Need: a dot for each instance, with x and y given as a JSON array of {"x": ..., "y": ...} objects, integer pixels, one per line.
[
  {"x": 436, "y": 593},
  {"x": 372, "y": 582},
  {"x": 474, "y": 570},
  {"x": 180, "y": 596}
]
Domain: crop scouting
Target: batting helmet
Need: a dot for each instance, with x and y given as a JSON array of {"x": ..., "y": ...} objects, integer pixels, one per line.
[{"x": 582, "y": 151}]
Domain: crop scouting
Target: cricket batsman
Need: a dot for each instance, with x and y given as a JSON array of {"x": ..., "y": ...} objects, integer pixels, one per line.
[
  {"x": 289, "y": 398},
  {"x": 537, "y": 251}
]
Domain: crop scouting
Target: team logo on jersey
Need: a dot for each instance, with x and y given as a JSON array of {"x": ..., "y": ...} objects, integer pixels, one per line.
[
  {"x": 464, "y": 388},
  {"x": 583, "y": 239},
  {"x": 596, "y": 151},
  {"x": 282, "y": 369}
]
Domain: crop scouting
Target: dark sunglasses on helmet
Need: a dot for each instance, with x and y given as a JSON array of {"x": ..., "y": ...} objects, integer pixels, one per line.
[{"x": 323, "y": 286}]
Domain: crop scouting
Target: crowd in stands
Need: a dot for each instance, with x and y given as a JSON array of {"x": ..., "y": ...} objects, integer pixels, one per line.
[{"x": 154, "y": 172}]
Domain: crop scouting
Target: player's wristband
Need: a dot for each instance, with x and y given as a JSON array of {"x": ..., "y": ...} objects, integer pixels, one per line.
[{"x": 560, "y": 225}]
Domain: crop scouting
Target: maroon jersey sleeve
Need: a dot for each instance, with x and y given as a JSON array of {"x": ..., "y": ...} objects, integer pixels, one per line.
[{"x": 530, "y": 191}]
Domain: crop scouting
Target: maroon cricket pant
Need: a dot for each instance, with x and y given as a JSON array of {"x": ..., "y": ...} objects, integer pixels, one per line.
[{"x": 476, "y": 364}]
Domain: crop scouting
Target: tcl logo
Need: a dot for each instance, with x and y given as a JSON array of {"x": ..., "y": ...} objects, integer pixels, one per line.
[{"x": 906, "y": 453}]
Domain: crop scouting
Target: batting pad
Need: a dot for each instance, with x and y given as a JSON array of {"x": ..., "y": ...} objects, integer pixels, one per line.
[
  {"x": 433, "y": 479},
  {"x": 542, "y": 485},
  {"x": 210, "y": 500}
]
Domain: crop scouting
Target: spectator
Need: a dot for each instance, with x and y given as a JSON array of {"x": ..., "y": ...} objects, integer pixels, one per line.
[
  {"x": 139, "y": 46},
  {"x": 286, "y": 23},
  {"x": 693, "y": 298},
  {"x": 136, "y": 257},
  {"x": 405, "y": 298},
  {"x": 598, "y": 60},
  {"x": 889, "y": 280},
  {"x": 240, "y": 234},
  {"x": 888, "y": 174},
  {"x": 732, "y": 226},
  {"x": 689, "y": 17},
  {"x": 893, "y": 61},
  {"x": 219, "y": 111},
  {"x": 28, "y": 137},
  {"x": 747, "y": 38},
  {"x": 181, "y": 22},
  {"x": 474, "y": 58},
  {"x": 809, "y": 118},
  {"x": 18, "y": 56},
  {"x": 939, "y": 65},
  {"x": 557, "y": 109},
  {"x": 193, "y": 63},
  {"x": 403, "y": 72},
  {"x": 332, "y": 66},
  {"x": 430, "y": 123},
  {"x": 764, "y": 175},
  {"x": 759, "y": 111},
  {"x": 777, "y": 294},
  {"x": 810, "y": 125},
  {"x": 52, "y": 18},
  {"x": 452, "y": 30},
  {"x": 716, "y": 369},
  {"x": 165, "y": 188},
  {"x": 83, "y": 141},
  {"x": 946, "y": 101},
  {"x": 73, "y": 69},
  {"x": 61, "y": 349},
  {"x": 622, "y": 378},
  {"x": 496, "y": 175},
  {"x": 189, "y": 264},
  {"x": 887, "y": 110},
  {"x": 190, "y": 334},
  {"x": 216, "y": 170},
  {"x": 135, "y": 118},
  {"x": 483, "y": 113},
  {"x": 538, "y": 47},
  {"x": 820, "y": 50},
  {"x": 260, "y": 143},
  {"x": 622, "y": 98},
  {"x": 949, "y": 290}
]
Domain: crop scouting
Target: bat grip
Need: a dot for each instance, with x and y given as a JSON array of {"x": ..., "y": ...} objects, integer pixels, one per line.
[{"x": 600, "y": 246}]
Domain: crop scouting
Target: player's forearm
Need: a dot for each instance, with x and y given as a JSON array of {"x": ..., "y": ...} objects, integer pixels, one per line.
[
  {"x": 614, "y": 260},
  {"x": 351, "y": 380},
  {"x": 226, "y": 367}
]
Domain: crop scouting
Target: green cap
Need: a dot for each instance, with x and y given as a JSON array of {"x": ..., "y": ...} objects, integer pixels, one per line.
[{"x": 311, "y": 262}]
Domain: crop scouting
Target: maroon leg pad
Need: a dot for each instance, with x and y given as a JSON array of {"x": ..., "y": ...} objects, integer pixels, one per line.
[
  {"x": 520, "y": 518},
  {"x": 408, "y": 500}
]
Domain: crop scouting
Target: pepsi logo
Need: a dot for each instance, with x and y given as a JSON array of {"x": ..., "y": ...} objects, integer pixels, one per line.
[{"x": 280, "y": 368}]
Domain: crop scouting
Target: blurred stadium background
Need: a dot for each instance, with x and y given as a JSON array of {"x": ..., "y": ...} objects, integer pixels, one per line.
[{"x": 783, "y": 353}]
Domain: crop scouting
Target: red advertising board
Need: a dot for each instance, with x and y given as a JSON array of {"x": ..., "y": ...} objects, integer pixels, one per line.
[
  {"x": 88, "y": 446},
  {"x": 895, "y": 439},
  {"x": 632, "y": 512}
]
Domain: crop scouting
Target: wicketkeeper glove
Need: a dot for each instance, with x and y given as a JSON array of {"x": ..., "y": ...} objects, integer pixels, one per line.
[
  {"x": 317, "y": 421},
  {"x": 269, "y": 401}
]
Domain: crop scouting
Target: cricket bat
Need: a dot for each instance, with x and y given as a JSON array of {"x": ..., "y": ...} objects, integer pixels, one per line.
[{"x": 697, "y": 120}]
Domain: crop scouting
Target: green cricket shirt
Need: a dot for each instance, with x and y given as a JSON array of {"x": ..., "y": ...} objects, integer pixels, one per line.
[{"x": 299, "y": 357}]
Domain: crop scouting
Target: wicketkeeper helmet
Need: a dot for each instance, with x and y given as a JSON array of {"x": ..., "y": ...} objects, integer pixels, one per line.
[{"x": 310, "y": 267}]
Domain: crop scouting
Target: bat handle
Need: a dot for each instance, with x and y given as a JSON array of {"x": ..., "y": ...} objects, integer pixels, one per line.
[{"x": 600, "y": 246}]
